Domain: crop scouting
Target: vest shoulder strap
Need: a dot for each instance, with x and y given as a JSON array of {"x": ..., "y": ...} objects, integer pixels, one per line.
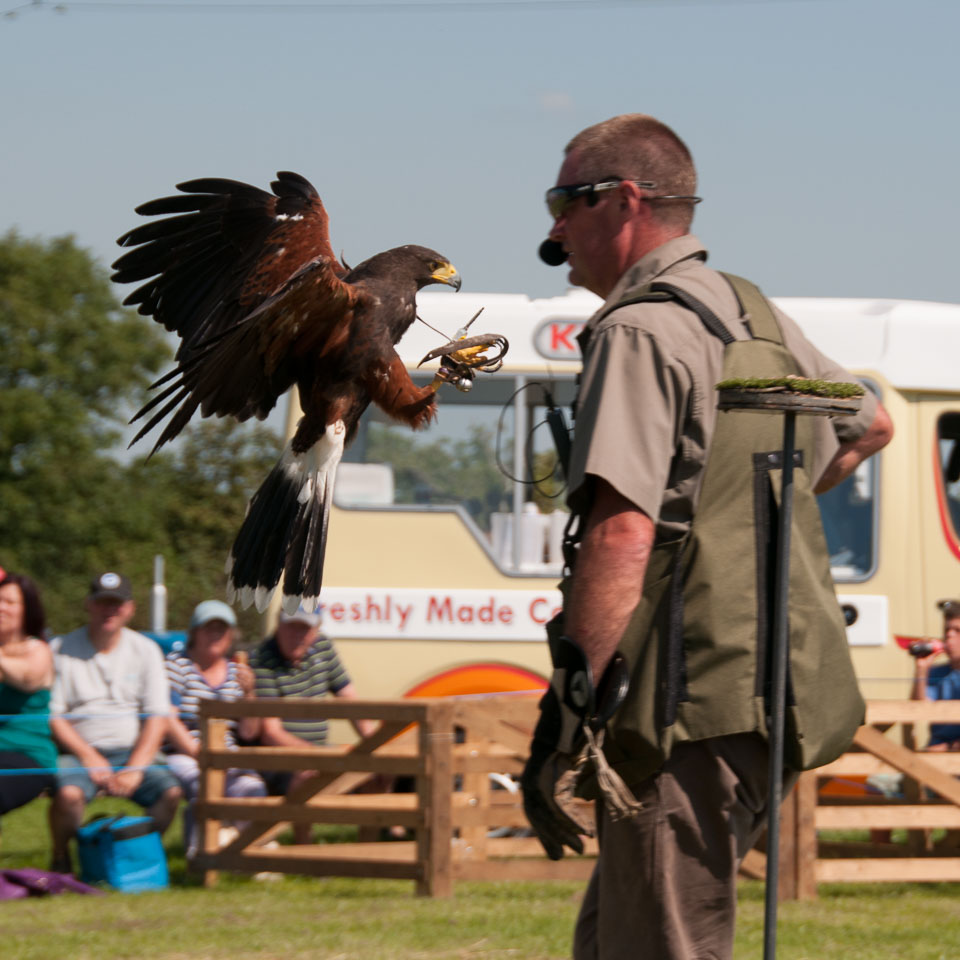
[
  {"x": 642, "y": 294},
  {"x": 660, "y": 291},
  {"x": 709, "y": 319},
  {"x": 755, "y": 308}
]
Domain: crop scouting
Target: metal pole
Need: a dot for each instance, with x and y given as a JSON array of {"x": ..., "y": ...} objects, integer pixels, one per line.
[
  {"x": 778, "y": 694},
  {"x": 158, "y": 598}
]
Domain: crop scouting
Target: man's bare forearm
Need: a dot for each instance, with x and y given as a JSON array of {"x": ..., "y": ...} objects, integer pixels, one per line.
[
  {"x": 70, "y": 741},
  {"x": 608, "y": 579},
  {"x": 274, "y": 734},
  {"x": 852, "y": 454}
]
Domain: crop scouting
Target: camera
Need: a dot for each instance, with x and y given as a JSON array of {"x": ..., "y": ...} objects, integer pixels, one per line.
[{"x": 923, "y": 648}]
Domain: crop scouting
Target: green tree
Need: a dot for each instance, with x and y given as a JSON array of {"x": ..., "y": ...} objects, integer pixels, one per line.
[
  {"x": 189, "y": 506},
  {"x": 73, "y": 364}
]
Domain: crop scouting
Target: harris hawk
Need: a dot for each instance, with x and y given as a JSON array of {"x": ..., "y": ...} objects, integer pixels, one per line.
[{"x": 250, "y": 283}]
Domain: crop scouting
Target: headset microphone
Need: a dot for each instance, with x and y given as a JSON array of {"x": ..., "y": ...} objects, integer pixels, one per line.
[{"x": 552, "y": 253}]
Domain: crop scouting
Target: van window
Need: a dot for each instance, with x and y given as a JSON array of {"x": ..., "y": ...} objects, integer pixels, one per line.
[
  {"x": 851, "y": 518},
  {"x": 849, "y": 514},
  {"x": 453, "y": 465},
  {"x": 948, "y": 448},
  {"x": 450, "y": 463}
]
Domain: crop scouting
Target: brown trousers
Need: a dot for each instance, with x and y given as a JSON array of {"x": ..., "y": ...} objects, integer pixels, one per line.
[{"x": 664, "y": 887}]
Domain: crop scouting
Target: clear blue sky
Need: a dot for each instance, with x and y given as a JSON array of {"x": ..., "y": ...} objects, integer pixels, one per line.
[{"x": 825, "y": 131}]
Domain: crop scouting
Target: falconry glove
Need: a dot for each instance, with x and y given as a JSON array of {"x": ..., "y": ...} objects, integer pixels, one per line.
[{"x": 568, "y": 734}]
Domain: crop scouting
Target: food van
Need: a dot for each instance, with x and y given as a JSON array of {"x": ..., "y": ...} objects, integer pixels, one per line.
[{"x": 443, "y": 557}]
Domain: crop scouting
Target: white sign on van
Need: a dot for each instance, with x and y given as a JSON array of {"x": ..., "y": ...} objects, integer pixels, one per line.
[
  {"x": 506, "y": 615},
  {"x": 556, "y": 338},
  {"x": 403, "y": 614}
]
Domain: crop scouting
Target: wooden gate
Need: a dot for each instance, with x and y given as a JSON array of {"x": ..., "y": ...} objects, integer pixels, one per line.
[
  {"x": 924, "y": 796},
  {"x": 929, "y": 798},
  {"x": 456, "y": 750}
]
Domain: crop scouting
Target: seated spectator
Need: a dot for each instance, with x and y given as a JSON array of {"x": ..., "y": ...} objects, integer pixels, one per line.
[
  {"x": 27, "y": 751},
  {"x": 942, "y": 682},
  {"x": 204, "y": 672},
  {"x": 298, "y": 661},
  {"x": 108, "y": 679}
]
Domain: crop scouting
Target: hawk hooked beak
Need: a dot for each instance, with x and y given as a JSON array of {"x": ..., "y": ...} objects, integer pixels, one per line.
[{"x": 447, "y": 273}]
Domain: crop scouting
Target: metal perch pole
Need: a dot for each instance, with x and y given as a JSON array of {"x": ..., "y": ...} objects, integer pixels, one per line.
[
  {"x": 772, "y": 396},
  {"x": 778, "y": 697}
]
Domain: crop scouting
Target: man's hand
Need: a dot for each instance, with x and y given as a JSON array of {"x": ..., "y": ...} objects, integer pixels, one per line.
[
  {"x": 98, "y": 767},
  {"x": 547, "y": 773},
  {"x": 246, "y": 678},
  {"x": 922, "y": 665},
  {"x": 124, "y": 782},
  {"x": 921, "y": 671},
  {"x": 559, "y": 746}
]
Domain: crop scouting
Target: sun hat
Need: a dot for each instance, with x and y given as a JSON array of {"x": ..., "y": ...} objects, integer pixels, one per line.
[{"x": 212, "y": 610}]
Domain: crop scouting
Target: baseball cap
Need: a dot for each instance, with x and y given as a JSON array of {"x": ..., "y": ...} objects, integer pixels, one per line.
[
  {"x": 212, "y": 610},
  {"x": 312, "y": 619},
  {"x": 110, "y": 586}
]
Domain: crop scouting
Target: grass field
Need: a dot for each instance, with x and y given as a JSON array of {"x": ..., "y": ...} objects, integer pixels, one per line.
[{"x": 338, "y": 919}]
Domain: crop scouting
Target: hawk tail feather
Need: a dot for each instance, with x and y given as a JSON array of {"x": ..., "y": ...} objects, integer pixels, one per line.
[{"x": 285, "y": 530}]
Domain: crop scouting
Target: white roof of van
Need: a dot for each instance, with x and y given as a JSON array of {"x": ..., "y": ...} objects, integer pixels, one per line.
[{"x": 913, "y": 344}]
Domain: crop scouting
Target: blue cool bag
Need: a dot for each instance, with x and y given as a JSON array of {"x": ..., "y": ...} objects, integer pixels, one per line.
[{"x": 125, "y": 852}]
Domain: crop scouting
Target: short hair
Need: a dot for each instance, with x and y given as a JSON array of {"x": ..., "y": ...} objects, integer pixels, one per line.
[
  {"x": 634, "y": 146},
  {"x": 950, "y": 609},
  {"x": 34, "y": 618}
]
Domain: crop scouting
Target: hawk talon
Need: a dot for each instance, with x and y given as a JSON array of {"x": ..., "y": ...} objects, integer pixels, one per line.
[
  {"x": 469, "y": 352},
  {"x": 471, "y": 356}
]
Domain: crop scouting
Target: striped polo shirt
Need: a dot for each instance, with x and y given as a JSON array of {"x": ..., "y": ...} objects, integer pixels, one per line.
[
  {"x": 318, "y": 674},
  {"x": 188, "y": 687}
]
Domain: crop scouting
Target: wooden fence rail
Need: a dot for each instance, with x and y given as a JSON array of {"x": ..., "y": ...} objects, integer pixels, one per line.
[
  {"x": 928, "y": 798},
  {"x": 457, "y": 749},
  {"x": 462, "y": 825}
]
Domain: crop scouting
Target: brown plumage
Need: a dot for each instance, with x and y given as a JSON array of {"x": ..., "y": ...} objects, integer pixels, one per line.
[{"x": 250, "y": 283}]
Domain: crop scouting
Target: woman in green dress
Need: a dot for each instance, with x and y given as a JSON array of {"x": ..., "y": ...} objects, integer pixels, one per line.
[{"x": 27, "y": 751}]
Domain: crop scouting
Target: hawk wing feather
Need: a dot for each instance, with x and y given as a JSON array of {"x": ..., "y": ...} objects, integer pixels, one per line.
[
  {"x": 182, "y": 393},
  {"x": 248, "y": 272},
  {"x": 227, "y": 248}
]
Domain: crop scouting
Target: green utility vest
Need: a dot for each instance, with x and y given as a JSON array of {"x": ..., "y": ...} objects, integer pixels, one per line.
[{"x": 699, "y": 643}]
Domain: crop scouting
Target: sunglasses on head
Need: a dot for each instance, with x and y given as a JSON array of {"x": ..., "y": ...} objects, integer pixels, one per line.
[{"x": 560, "y": 198}]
